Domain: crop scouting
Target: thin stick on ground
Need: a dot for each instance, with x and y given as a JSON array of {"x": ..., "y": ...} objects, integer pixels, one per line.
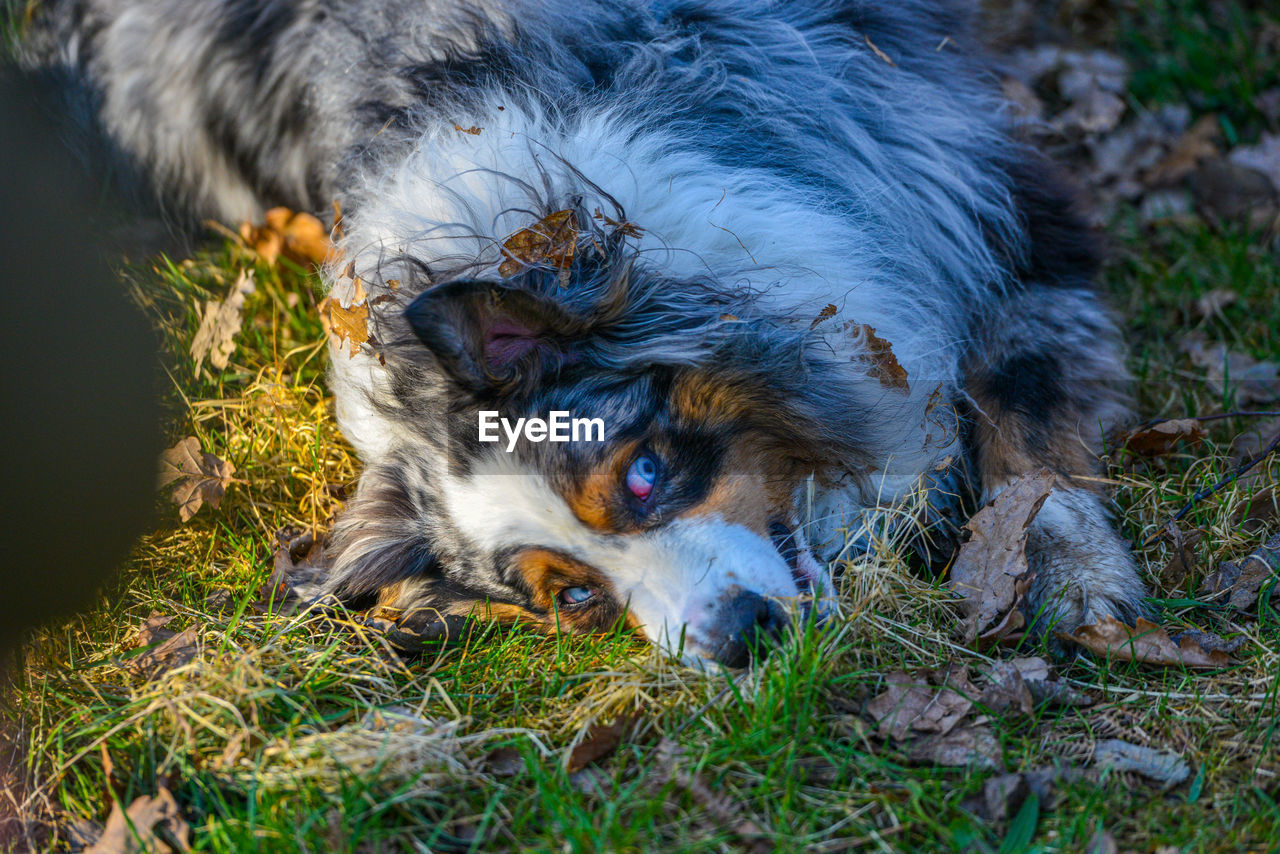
[{"x": 1243, "y": 469}]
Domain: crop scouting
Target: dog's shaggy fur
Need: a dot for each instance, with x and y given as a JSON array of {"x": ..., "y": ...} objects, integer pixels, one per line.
[{"x": 734, "y": 167}]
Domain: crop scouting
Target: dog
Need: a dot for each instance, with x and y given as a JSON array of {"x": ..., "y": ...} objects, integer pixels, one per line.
[{"x": 792, "y": 259}]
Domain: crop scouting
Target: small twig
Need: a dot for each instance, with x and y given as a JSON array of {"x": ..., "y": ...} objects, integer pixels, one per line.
[
  {"x": 1240, "y": 471},
  {"x": 1220, "y": 416}
]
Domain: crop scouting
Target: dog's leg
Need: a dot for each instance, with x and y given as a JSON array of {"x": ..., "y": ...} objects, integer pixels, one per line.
[{"x": 1043, "y": 383}]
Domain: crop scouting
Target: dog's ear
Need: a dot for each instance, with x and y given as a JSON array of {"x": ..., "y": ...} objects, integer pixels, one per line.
[{"x": 489, "y": 337}]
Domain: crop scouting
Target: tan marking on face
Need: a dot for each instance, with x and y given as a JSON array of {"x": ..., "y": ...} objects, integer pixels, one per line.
[
  {"x": 595, "y": 498},
  {"x": 758, "y": 476},
  {"x": 756, "y": 487},
  {"x": 547, "y": 573}
]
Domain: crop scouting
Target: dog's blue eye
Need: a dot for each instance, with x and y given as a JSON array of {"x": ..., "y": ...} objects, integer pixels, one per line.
[
  {"x": 576, "y": 595},
  {"x": 641, "y": 477}
]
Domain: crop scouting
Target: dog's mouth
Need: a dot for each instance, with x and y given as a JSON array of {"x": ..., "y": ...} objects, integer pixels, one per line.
[{"x": 787, "y": 541}]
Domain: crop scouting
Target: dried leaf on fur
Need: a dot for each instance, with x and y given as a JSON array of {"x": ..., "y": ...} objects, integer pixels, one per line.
[
  {"x": 933, "y": 702},
  {"x": 1159, "y": 765},
  {"x": 1159, "y": 439},
  {"x": 989, "y": 566},
  {"x": 969, "y": 746},
  {"x": 300, "y": 237},
  {"x": 220, "y": 321},
  {"x": 884, "y": 365},
  {"x": 349, "y": 324},
  {"x": 198, "y": 477},
  {"x": 599, "y": 742},
  {"x": 473, "y": 130},
  {"x": 1241, "y": 582},
  {"x": 551, "y": 241},
  {"x": 1146, "y": 643},
  {"x": 829, "y": 311},
  {"x": 151, "y": 825},
  {"x": 626, "y": 228}
]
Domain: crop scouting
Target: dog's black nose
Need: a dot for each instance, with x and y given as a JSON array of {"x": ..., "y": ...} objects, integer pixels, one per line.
[{"x": 750, "y": 624}]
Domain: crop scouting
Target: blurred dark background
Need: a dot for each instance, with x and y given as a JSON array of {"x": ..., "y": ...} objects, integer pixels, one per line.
[{"x": 79, "y": 428}]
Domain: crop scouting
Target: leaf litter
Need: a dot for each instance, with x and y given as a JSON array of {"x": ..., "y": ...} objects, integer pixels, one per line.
[
  {"x": 198, "y": 477},
  {"x": 1146, "y": 643},
  {"x": 150, "y": 825},
  {"x": 220, "y": 322},
  {"x": 990, "y": 570}
]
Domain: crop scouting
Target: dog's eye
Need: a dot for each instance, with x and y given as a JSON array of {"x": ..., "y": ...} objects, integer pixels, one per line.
[
  {"x": 641, "y": 477},
  {"x": 576, "y": 595}
]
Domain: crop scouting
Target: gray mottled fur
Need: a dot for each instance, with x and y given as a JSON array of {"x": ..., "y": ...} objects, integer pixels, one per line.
[{"x": 947, "y": 228}]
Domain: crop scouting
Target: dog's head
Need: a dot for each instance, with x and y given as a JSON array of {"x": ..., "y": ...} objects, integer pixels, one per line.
[{"x": 691, "y": 429}]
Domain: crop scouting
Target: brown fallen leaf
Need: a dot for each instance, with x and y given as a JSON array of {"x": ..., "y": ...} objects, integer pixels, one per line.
[
  {"x": 829, "y": 311},
  {"x": 1184, "y": 562},
  {"x": 1213, "y": 302},
  {"x": 345, "y": 324},
  {"x": 969, "y": 746},
  {"x": 933, "y": 702},
  {"x": 1258, "y": 513},
  {"x": 503, "y": 762},
  {"x": 1159, "y": 439},
  {"x": 879, "y": 355},
  {"x": 990, "y": 564},
  {"x": 1199, "y": 142},
  {"x": 300, "y": 237},
  {"x": 151, "y": 825},
  {"x": 473, "y": 130},
  {"x": 1025, "y": 683},
  {"x": 551, "y": 241},
  {"x": 164, "y": 649},
  {"x": 220, "y": 322},
  {"x": 1264, "y": 157},
  {"x": 600, "y": 741},
  {"x": 1146, "y": 643},
  {"x": 299, "y": 563},
  {"x": 729, "y": 816},
  {"x": 1253, "y": 438},
  {"x": 1094, "y": 112},
  {"x": 1225, "y": 189},
  {"x": 1241, "y": 582},
  {"x": 1007, "y": 688},
  {"x": 1251, "y": 381},
  {"x": 198, "y": 477},
  {"x": 1003, "y": 794},
  {"x": 1162, "y": 766}
]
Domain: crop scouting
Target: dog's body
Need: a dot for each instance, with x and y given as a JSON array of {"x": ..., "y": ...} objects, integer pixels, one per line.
[{"x": 730, "y": 169}]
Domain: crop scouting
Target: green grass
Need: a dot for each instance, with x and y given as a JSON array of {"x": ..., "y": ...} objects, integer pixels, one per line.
[
  {"x": 1215, "y": 56},
  {"x": 293, "y": 733}
]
